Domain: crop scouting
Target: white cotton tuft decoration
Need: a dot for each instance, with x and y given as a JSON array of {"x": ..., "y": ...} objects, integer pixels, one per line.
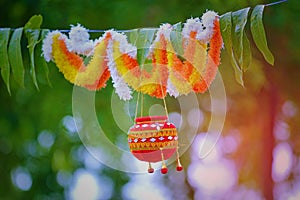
[
  {"x": 79, "y": 41},
  {"x": 165, "y": 30},
  {"x": 171, "y": 89},
  {"x": 79, "y": 34},
  {"x": 125, "y": 47},
  {"x": 47, "y": 45},
  {"x": 207, "y": 19},
  {"x": 122, "y": 89},
  {"x": 192, "y": 24}
]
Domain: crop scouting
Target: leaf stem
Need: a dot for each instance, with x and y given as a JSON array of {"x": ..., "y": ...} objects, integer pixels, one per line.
[{"x": 277, "y": 2}]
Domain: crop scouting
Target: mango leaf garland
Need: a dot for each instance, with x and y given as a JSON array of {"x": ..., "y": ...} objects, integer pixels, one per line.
[
  {"x": 32, "y": 32},
  {"x": 239, "y": 20},
  {"x": 176, "y": 39},
  {"x": 226, "y": 26},
  {"x": 42, "y": 67},
  {"x": 133, "y": 36},
  {"x": 236, "y": 42},
  {"x": 247, "y": 55},
  {"x": 15, "y": 56},
  {"x": 259, "y": 35},
  {"x": 144, "y": 39},
  {"x": 4, "y": 63}
]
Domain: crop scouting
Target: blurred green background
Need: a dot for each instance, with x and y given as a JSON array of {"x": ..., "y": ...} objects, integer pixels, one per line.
[{"x": 42, "y": 157}]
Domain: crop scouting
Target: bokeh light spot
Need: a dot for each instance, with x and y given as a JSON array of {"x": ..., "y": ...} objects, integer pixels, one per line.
[
  {"x": 89, "y": 186},
  {"x": 21, "y": 178},
  {"x": 282, "y": 163},
  {"x": 46, "y": 139},
  {"x": 282, "y": 131}
]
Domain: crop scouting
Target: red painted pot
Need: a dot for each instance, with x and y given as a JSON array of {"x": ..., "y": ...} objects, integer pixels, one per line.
[{"x": 152, "y": 138}]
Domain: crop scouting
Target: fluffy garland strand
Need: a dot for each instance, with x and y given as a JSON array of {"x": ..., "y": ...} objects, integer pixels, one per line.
[{"x": 113, "y": 56}]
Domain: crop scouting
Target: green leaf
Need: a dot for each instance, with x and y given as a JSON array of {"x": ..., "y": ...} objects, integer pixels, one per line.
[
  {"x": 144, "y": 40},
  {"x": 238, "y": 73},
  {"x": 15, "y": 56},
  {"x": 40, "y": 61},
  {"x": 226, "y": 29},
  {"x": 133, "y": 36},
  {"x": 34, "y": 22},
  {"x": 239, "y": 21},
  {"x": 32, "y": 36},
  {"x": 247, "y": 55},
  {"x": 176, "y": 38},
  {"x": 4, "y": 63},
  {"x": 32, "y": 32},
  {"x": 259, "y": 35}
]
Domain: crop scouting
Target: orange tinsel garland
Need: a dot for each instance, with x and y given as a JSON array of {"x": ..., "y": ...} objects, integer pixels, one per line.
[
  {"x": 93, "y": 76},
  {"x": 113, "y": 56},
  {"x": 213, "y": 59}
]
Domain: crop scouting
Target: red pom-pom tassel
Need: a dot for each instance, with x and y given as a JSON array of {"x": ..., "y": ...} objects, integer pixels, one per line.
[
  {"x": 179, "y": 168},
  {"x": 164, "y": 170},
  {"x": 150, "y": 169}
]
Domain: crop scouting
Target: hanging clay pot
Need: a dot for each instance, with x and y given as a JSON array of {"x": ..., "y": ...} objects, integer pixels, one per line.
[{"x": 154, "y": 139}]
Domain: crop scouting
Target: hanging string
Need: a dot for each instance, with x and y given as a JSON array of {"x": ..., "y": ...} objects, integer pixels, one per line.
[
  {"x": 165, "y": 106},
  {"x": 137, "y": 105},
  {"x": 142, "y": 103},
  {"x": 99, "y": 31},
  {"x": 164, "y": 100}
]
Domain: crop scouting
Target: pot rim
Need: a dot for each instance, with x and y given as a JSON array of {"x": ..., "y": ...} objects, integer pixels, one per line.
[{"x": 151, "y": 118}]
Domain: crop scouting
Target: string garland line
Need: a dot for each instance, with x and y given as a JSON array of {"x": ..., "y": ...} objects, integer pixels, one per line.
[
  {"x": 277, "y": 2},
  {"x": 118, "y": 58},
  {"x": 88, "y": 30},
  {"x": 125, "y": 31}
]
